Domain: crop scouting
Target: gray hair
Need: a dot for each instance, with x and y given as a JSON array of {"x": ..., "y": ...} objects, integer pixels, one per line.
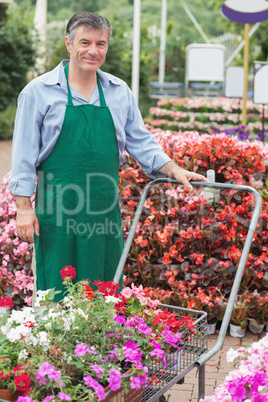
[{"x": 89, "y": 21}]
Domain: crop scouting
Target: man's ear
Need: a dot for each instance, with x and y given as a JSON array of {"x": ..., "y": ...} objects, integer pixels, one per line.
[{"x": 68, "y": 44}]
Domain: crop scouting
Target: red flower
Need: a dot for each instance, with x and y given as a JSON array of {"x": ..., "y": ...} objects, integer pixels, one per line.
[
  {"x": 6, "y": 302},
  {"x": 68, "y": 272},
  {"x": 109, "y": 288},
  {"x": 88, "y": 291},
  {"x": 22, "y": 382}
]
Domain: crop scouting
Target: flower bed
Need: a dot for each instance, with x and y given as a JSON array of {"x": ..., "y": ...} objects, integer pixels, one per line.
[
  {"x": 209, "y": 116},
  {"x": 249, "y": 382}
]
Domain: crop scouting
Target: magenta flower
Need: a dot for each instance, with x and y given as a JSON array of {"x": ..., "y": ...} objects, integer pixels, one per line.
[
  {"x": 45, "y": 369},
  {"x": 114, "y": 379},
  {"x": 131, "y": 352},
  {"x": 25, "y": 399},
  {"x": 237, "y": 390},
  {"x": 171, "y": 338},
  {"x": 64, "y": 397},
  {"x": 144, "y": 329},
  {"x": 98, "y": 388},
  {"x": 120, "y": 319},
  {"x": 81, "y": 350},
  {"x": 158, "y": 352},
  {"x": 135, "y": 382},
  {"x": 113, "y": 354},
  {"x": 97, "y": 369},
  {"x": 49, "y": 398}
]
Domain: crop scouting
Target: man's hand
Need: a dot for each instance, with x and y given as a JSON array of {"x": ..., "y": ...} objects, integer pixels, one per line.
[
  {"x": 26, "y": 221},
  {"x": 174, "y": 171}
]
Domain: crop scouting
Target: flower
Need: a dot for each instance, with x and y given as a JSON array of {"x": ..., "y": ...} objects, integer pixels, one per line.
[
  {"x": 249, "y": 382},
  {"x": 84, "y": 341}
]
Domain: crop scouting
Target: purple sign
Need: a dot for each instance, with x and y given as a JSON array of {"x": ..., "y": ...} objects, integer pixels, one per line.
[{"x": 246, "y": 11}]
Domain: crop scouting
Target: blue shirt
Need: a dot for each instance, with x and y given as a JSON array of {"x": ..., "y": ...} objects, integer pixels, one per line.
[{"x": 40, "y": 115}]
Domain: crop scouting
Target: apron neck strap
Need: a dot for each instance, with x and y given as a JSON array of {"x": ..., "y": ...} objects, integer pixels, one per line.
[{"x": 70, "y": 99}]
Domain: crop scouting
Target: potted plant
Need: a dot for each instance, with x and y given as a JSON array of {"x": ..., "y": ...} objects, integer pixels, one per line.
[
  {"x": 91, "y": 339},
  {"x": 239, "y": 318},
  {"x": 257, "y": 311}
]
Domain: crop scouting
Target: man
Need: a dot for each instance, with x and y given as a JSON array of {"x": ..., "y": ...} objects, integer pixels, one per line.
[{"x": 71, "y": 128}]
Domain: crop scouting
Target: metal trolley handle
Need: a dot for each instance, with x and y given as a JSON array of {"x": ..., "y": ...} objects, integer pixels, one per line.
[{"x": 253, "y": 224}]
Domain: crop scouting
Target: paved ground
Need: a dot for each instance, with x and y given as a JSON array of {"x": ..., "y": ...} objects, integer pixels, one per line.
[
  {"x": 5, "y": 158},
  {"x": 215, "y": 372},
  {"x": 216, "y": 368}
]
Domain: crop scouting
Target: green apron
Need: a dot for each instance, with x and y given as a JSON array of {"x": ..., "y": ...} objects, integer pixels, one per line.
[{"x": 77, "y": 203}]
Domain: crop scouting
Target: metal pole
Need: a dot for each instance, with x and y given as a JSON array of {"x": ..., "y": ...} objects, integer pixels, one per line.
[
  {"x": 246, "y": 55},
  {"x": 242, "y": 44},
  {"x": 162, "y": 53},
  {"x": 263, "y": 120},
  {"x": 194, "y": 21},
  {"x": 136, "y": 50},
  {"x": 201, "y": 382},
  {"x": 40, "y": 23}
]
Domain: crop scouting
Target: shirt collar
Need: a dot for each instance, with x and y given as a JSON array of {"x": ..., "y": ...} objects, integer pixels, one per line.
[{"x": 57, "y": 76}]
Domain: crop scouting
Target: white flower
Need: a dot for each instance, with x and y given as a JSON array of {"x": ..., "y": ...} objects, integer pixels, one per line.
[
  {"x": 111, "y": 299},
  {"x": 13, "y": 335},
  {"x": 48, "y": 326},
  {"x": 22, "y": 355},
  {"x": 81, "y": 313},
  {"x": 231, "y": 355},
  {"x": 40, "y": 296},
  {"x": 43, "y": 339},
  {"x": 21, "y": 316}
]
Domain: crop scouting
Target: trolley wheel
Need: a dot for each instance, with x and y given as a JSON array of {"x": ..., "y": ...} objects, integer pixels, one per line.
[
  {"x": 181, "y": 381},
  {"x": 162, "y": 398}
]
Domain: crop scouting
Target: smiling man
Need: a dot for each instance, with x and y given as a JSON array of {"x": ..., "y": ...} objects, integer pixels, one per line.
[{"x": 71, "y": 128}]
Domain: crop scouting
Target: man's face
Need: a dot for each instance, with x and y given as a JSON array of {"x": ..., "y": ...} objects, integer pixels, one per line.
[{"x": 89, "y": 48}]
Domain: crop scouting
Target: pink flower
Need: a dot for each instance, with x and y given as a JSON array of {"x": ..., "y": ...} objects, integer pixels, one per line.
[
  {"x": 114, "y": 379},
  {"x": 97, "y": 369},
  {"x": 131, "y": 352},
  {"x": 81, "y": 350},
  {"x": 126, "y": 292},
  {"x": 120, "y": 319},
  {"x": 64, "y": 397},
  {"x": 98, "y": 388}
]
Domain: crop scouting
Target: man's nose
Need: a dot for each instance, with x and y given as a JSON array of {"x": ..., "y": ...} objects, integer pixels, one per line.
[{"x": 93, "y": 50}]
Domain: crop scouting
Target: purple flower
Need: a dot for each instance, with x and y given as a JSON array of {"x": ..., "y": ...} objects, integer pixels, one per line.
[
  {"x": 135, "y": 382},
  {"x": 98, "y": 370},
  {"x": 81, "y": 350},
  {"x": 49, "y": 398},
  {"x": 142, "y": 377},
  {"x": 98, "y": 388},
  {"x": 120, "y": 319},
  {"x": 144, "y": 329},
  {"x": 131, "y": 352},
  {"x": 25, "y": 399},
  {"x": 237, "y": 390},
  {"x": 113, "y": 354},
  {"x": 114, "y": 379},
  {"x": 158, "y": 352},
  {"x": 171, "y": 338},
  {"x": 64, "y": 397},
  {"x": 45, "y": 369}
]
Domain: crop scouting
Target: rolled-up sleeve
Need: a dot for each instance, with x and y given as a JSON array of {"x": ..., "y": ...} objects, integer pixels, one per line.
[
  {"x": 141, "y": 144},
  {"x": 25, "y": 146}
]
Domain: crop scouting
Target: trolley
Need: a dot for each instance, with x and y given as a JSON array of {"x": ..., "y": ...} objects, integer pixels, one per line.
[{"x": 194, "y": 351}]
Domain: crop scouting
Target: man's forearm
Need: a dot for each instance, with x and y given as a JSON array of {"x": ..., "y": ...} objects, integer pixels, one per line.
[
  {"x": 23, "y": 202},
  {"x": 169, "y": 169}
]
